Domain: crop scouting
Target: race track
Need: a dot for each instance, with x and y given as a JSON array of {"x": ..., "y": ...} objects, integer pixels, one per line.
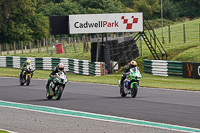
[{"x": 167, "y": 106}]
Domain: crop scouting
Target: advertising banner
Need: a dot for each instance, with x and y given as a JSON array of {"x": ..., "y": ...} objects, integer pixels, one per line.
[
  {"x": 191, "y": 70},
  {"x": 105, "y": 23}
]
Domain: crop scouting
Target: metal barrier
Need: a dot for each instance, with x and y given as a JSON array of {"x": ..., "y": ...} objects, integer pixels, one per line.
[{"x": 83, "y": 67}]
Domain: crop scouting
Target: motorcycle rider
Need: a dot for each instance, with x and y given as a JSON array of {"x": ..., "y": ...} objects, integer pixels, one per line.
[
  {"x": 55, "y": 70},
  {"x": 132, "y": 64},
  {"x": 25, "y": 64}
]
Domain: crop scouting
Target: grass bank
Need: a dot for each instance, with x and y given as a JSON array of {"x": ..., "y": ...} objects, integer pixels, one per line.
[{"x": 148, "y": 80}]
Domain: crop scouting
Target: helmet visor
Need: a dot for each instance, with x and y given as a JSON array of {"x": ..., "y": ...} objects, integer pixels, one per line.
[{"x": 61, "y": 69}]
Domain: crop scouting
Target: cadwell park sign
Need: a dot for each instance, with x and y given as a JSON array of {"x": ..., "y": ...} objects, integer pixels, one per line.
[
  {"x": 96, "y": 23},
  {"x": 105, "y": 23}
]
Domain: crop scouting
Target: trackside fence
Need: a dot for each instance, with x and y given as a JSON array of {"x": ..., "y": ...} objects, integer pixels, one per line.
[
  {"x": 83, "y": 67},
  {"x": 163, "y": 68}
]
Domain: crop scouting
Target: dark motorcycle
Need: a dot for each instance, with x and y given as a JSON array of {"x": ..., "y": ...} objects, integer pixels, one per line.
[
  {"x": 26, "y": 75},
  {"x": 57, "y": 86}
]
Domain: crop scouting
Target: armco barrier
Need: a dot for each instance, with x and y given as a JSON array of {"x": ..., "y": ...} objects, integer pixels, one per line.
[
  {"x": 83, "y": 67},
  {"x": 163, "y": 68}
]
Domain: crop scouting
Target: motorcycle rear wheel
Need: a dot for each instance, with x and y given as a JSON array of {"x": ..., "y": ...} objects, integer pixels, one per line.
[
  {"x": 134, "y": 90},
  {"x": 122, "y": 93},
  {"x": 48, "y": 95}
]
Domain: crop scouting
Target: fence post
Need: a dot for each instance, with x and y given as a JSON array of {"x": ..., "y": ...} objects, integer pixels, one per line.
[
  {"x": 79, "y": 41},
  {"x": 14, "y": 48},
  {"x": 7, "y": 48},
  {"x": 73, "y": 42},
  {"x": 184, "y": 33},
  {"x": 0, "y": 50},
  {"x": 22, "y": 47},
  {"x": 84, "y": 43},
  {"x": 38, "y": 46},
  {"x": 88, "y": 46},
  {"x": 30, "y": 46},
  {"x": 64, "y": 46},
  {"x": 169, "y": 34},
  {"x": 46, "y": 41}
]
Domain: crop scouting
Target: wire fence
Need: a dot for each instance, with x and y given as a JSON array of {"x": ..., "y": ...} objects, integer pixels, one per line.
[{"x": 181, "y": 33}]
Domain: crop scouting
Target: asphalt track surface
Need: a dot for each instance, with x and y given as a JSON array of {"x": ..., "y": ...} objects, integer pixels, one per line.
[{"x": 151, "y": 104}]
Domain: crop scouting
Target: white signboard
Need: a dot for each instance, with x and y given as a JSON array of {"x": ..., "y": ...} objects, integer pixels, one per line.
[{"x": 105, "y": 23}]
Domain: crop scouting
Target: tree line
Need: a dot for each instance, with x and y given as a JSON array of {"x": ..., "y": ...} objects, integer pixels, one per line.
[{"x": 27, "y": 20}]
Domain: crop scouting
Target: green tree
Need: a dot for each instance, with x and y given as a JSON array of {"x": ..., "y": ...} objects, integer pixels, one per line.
[
  {"x": 54, "y": 1},
  {"x": 170, "y": 10},
  {"x": 150, "y": 8},
  {"x": 17, "y": 21},
  {"x": 127, "y": 3},
  {"x": 64, "y": 8},
  {"x": 189, "y": 8},
  {"x": 101, "y": 6}
]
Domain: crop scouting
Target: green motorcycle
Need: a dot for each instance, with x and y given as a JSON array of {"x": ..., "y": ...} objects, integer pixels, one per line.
[
  {"x": 131, "y": 83},
  {"x": 57, "y": 86}
]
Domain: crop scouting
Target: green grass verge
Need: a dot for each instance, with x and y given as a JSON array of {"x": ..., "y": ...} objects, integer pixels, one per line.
[
  {"x": 1, "y": 131},
  {"x": 148, "y": 80}
]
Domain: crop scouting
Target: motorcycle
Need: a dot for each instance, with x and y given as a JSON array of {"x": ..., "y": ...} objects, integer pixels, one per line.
[
  {"x": 26, "y": 75},
  {"x": 57, "y": 86},
  {"x": 131, "y": 83}
]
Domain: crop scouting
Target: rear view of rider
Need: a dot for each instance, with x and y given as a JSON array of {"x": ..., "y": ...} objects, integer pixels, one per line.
[
  {"x": 132, "y": 64},
  {"x": 55, "y": 70},
  {"x": 26, "y": 63}
]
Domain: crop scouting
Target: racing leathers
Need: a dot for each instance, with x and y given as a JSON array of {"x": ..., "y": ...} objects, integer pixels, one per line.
[
  {"x": 52, "y": 75},
  {"x": 25, "y": 64},
  {"x": 126, "y": 69}
]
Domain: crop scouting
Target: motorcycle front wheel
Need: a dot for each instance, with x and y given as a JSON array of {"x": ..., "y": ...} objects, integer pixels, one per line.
[
  {"x": 28, "y": 80},
  {"x": 134, "y": 90},
  {"x": 20, "y": 79},
  {"x": 59, "y": 91}
]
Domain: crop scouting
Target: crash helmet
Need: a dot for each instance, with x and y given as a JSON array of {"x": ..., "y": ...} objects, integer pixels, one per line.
[
  {"x": 60, "y": 67},
  {"x": 133, "y": 63},
  {"x": 28, "y": 62}
]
